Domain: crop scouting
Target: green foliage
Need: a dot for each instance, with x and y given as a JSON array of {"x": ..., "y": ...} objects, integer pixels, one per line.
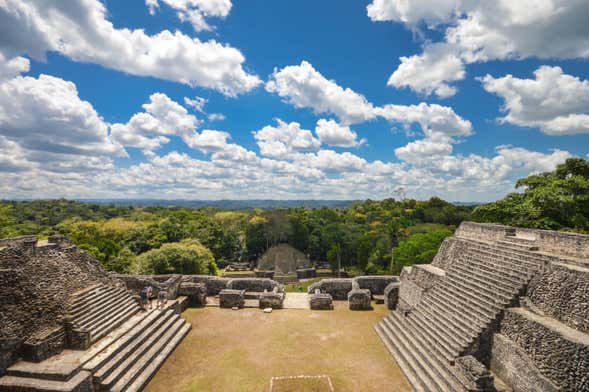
[
  {"x": 186, "y": 257},
  {"x": 359, "y": 238},
  {"x": 557, "y": 200},
  {"x": 420, "y": 248}
]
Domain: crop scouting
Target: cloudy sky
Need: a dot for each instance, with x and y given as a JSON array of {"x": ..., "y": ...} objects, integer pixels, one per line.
[{"x": 251, "y": 99}]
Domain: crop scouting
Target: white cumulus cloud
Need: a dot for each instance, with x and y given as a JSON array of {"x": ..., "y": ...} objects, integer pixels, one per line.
[
  {"x": 337, "y": 135},
  {"x": 304, "y": 87},
  {"x": 479, "y": 31},
  {"x": 555, "y": 102},
  {"x": 81, "y": 31},
  {"x": 194, "y": 11}
]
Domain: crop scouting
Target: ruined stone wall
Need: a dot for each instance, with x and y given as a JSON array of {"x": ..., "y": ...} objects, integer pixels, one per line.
[
  {"x": 511, "y": 363},
  {"x": 36, "y": 281},
  {"x": 560, "y": 353},
  {"x": 254, "y": 284},
  {"x": 415, "y": 281},
  {"x": 482, "y": 231},
  {"x": 337, "y": 288},
  {"x": 375, "y": 283},
  {"x": 561, "y": 291},
  {"x": 214, "y": 284},
  {"x": 449, "y": 251},
  {"x": 557, "y": 242}
]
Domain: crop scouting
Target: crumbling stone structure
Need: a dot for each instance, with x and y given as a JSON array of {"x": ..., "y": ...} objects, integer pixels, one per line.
[
  {"x": 391, "y": 295},
  {"x": 272, "y": 299},
  {"x": 359, "y": 299},
  {"x": 496, "y": 298},
  {"x": 229, "y": 298},
  {"x": 337, "y": 288},
  {"x": 195, "y": 292},
  {"x": 37, "y": 279},
  {"x": 55, "y": 296},
  {"x": 320, "y": 301},
  {"x": 306, "y": 273}
]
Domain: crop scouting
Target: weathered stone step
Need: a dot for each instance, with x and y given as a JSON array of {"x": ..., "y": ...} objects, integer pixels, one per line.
[
  {"x": 111, "y": 338},
  {"x": 445, "y": 340},
  {"x": 80, "y": 382},
  {"x": 490, "y": 265},
  {"x": 408, "y": 371},
  {"x": 110, "y": 373},
  {"x": 456, "y": 298},
  {"x": 106, "y": 364},
  {"x": 530, "y": 246},
  {"x": 515, "y": 255},
  {"x": 482, "y": 276},
  {"x": 90, "y": 302},
  {"x": 485, "y": 307},
  {"x": 484, "y": 293},
  {"x": 502, "y": 261},
  {"x": 445, "y": 322},
  {"x": 89, "y": 296},
  {"x": 516, "y": 280},
  {"x": 98, "y": 318},
  {"x": 422, "y": 333},
  {"x": 84, "y": 292},
  {"x": 106, "y": 304},
  {"x": 122, "y": 342},
  {"x": 142, "y": 362},
  {"x": 434, "y": 365},
  {"x": 408, "y": 359},
  {"x": 470, "y": 312},
  {"x": 462, "y": 320},
  {"x": 156, "y": 363},
  {"x": 118, "y": 319}
]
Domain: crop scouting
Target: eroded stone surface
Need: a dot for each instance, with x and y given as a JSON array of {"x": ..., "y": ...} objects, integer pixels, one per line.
[
  {"x": 320, "y": 301},
  {"x": 359, "y": 299},
  {"x": 229, "y": 298}
]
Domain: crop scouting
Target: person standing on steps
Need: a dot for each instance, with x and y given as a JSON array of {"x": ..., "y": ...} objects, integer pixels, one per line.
[
  {"x": 162, "y": 298},
  {"x": 143, "y": 298},
  {"x": 150, "y": 296}
]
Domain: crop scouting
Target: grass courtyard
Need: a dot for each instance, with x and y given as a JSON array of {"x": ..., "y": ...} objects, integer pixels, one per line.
[{"x": 243, "y": 350}]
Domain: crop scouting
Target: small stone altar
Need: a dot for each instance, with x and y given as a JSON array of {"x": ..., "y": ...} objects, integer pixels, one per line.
[{"x": 229, "y": 298}]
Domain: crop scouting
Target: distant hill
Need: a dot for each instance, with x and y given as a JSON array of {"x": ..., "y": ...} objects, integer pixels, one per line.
[{"x": 226, "y": 204}]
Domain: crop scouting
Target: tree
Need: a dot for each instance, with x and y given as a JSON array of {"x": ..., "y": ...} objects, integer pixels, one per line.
[
  {"x": 419, "y": 248},
  {"x": 552, "y": 200},
  {"x": 186, "y": 257}
]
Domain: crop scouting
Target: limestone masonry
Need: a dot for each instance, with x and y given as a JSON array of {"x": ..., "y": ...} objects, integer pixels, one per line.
[{"x": 499, "y": 308}]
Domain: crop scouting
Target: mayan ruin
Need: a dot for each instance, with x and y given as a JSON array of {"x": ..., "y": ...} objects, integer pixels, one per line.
[
  {"x": 499, "y": 309},
  {"x": 294, "y": 196}
]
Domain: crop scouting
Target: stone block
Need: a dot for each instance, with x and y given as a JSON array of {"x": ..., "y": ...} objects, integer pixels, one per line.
[
  {"x": 306, "y": 273},
  {"x": 254, "y": 284},
  {"x": 375, "y": 283},
  {"x": 359, "y": 299},
  {"x": 264, "y": 274},
  {"x": 196, "y": 293},
  {"x": 476, "y": 373},
  {"x": 337, "y": 288},
  {"x": 320, "y": 301},
  {"x": 391, "y": 295},
  {"x": 229, "y": 298},
  {"x": 272, "y": 300}
]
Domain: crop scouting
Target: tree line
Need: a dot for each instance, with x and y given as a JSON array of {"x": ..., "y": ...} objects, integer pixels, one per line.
[{"x": 367, "y": 237}]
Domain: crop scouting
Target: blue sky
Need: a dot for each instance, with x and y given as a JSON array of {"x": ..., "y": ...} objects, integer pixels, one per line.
[{"x": 330, "y": 99}]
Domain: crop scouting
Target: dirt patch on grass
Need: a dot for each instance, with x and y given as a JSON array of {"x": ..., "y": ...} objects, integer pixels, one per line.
[{"x": 242, "y": 350}]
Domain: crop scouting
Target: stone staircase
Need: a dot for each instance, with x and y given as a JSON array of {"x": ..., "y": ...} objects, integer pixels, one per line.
[
  {"x": 129, "y": 346},
  {"x": 100, "y": 309},
  {"x": 485, "y": 279}
]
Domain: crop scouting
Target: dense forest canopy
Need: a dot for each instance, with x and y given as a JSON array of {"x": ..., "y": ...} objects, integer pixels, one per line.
[{"x": 367, "y": 237}]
